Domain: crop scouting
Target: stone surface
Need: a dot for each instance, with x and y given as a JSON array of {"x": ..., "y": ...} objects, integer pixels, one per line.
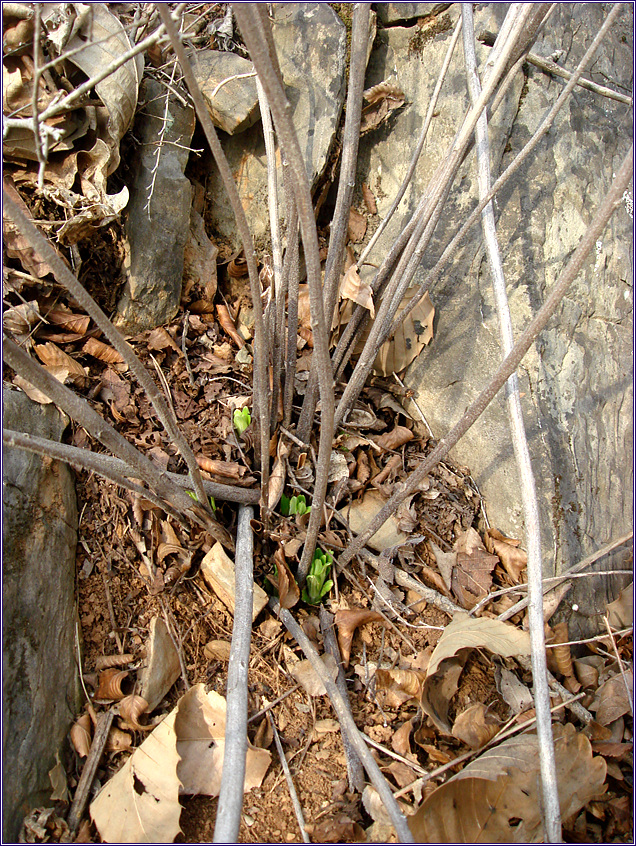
[
  {"x": 40, "y": 685},
  {"x": 576, "y": 381},
  {"x": 230, "y": 94},
  {"x": 310, "y": 41},
  {"x": 157, "y": 230},
  {"x": 391, "y": 13}
]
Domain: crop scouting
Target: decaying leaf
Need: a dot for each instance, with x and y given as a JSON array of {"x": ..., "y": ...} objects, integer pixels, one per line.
[
  {"x": 118, "y": 740},
  {"x": 218, "y": 571},
  {"x": 339, "y": 828},
  {"x": 369, "y": 199},
  {"x": 347, "y": 621},
  {"x": 130, "y": 709},
  {"x": 409, "y": 339},
  {"x": 52, "y": 356},
  {"x": 112, "y": 686},
  {"x": 106, "y": 353},
  {"x": 102, "y": 662},
  {"x": 496, "y": 798},
  {"x": 278, "y": 475},
  {"x": 399, "y": 685},
  {"x": 16, "y": 244},
  {"x": 445, "y": 561},
  {"x": 613, "y": 699},
  {"x": 450, "y": 655},
  {"x": 21, "y": 320},
  {"x": 57, "y": 777},
  {"x": 352, "y": 288},
  {"x": 200, "y": 730},
  {"x": 288, "y": 590},
  {"x": 475, "y": 726},
  {"x": 562, "y": 656},
  {"x": 227, "y": 324},
  {"x": 472, "y": 575},
  {"x": 514, "y": 560},
  {"x": 81, "y": 735},
  {"x": 140, "y": 803},
  {"x": 357, "y": 226},
  {"x": 306, "y": 676},
  {"x": 514, "y": 692},
  {"x": 381, "y": 99},
  {"x": 395, "y": 438},
  {"x": 620, "y": 613},
  {"x": 162, "y": 666},
  {"x": 362, "y": 511}
]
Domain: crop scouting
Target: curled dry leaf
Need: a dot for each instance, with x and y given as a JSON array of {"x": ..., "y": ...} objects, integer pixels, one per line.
[
  {"x": 475, "y": 726},
  {"x": 237, "y": 268},
  {"x": 52, "y": 356},
  {"x": 450, "y": 655},
  {"x": 22, "y": 319},
  {"x": 399, "y": 685},
  {"x": 118, "y": 741},
  {"x": 496, "y": 798},
  {"x": 112, "y": 685},
  {"x": 353, "y": 288},
  {"x": 16, "y": 244},
  {"x": 81, "y": 735},
  {"x": 288, "y": 590},
  {"x": 562, "y": 655},
  {"x": 514, "y": 692},
  {"x": 278, "y": 475},
  {"x": 130, "y": 709},
  {"x": 227, "y": 324},
  {"x": 106, "y": 353},
  {"x": 228, "y": 469},
  {"x": 394, "y": 439},
  {"x": 75, "y": 324},
  {"x": 381, "y": 100},
  {"x": 103, "y": 662},
  {"x": 514, "y": 560},
  {"x": 347, "y": 621}
]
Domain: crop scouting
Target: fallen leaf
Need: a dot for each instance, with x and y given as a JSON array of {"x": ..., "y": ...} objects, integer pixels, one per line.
[
  {"x": 339, "y": 828},
  {"x": 227, "y": 324},
  {"x": 218, "y": 571},
  {"x": 106, "y": 353},
  {"x": 57, "y": 777},
  {"x": 21, "y": 320},
  {"x": 81, "y": 735},
  {"x": 400, "y": 685},
  {"x": 118, "y": 740},
  {"x": 472, "y": 575},
  {"x": 360, "y": 513},
  {"x": 620, "y": 613},
  {"x": 381, "y": 100},
  {"x": 278, "y": 475},
  {"x": 159, "y": 339},
  {"x": 357, "y": 226},
  {"x": 200, "y": 734},
  {"x": 613, "y": 699},
  {"x": 395, "y": 438},
  {"x": 306, "y": 676},
  {"x": 513, "y": 559},
  {"x": 16, "y": 244},
  {"x": 288, "y": 590},
  {"x": 475, "y": 726},
  {"x": 445, "y": 561},
  {"x": 562, "y": 655},
  {"x": 514, "y": 692},
  {"x": 130, "y": 709},
  {"x": 450, "y": 655},
  {"x": 369, "y": 199},
  {"x": 217, "y": 650},
  {"x": 496, "y": 798},
  {"x": 162, "y": 666},
  {"x": 140, "y": 803},
  {"x": 111, "y": 683},
  {"x": 353, "y": 288},
  {"x": 413, "y": 334},
  {"x": 347, "y": 621}
]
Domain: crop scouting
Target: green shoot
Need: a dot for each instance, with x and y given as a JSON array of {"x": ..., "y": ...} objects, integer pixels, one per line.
[
  {"x": 196, "y": 498},
  {"x": 317, "y": 582},
  {"x": 295, "y": 505},
  {"x": 241, "y": 419}
]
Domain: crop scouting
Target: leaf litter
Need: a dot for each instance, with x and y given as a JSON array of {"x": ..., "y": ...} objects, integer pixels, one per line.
[{"x": 428, "y": 688}]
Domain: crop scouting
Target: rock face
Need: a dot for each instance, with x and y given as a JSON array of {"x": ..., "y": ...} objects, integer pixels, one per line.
[
  {"x": 40, "y": 686},
  {"x": 311, "y": 45},
  {"x": 158, "y": 214},
  {"x": 228, "y": 86},
  {"x": 576, "y": 381}
]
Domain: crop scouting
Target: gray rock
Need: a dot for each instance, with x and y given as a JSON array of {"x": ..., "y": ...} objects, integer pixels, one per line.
[
  {"x": 391, "y": 13},
  {"x": 233, "y": 104},
  {"x": 576, "y": 381},
  {"x": 311, "y": 44},
  {"x": 40, "y": 685},
  {"x": 157, "y": 231}
]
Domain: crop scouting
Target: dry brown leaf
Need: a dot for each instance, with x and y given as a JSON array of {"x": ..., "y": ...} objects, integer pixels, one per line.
[
  {"x": 76, "y": 324},
  {"x": 496, "y": 798},
  {"x": 160, "y": 339},
  {"x": 381, "y": 99},
  {"x": 217, "y": 569},
  {"x": 288, "y": 590},
  {"x": 369, "y": 199},
  {"x": 450, "y": 655},
  {"x": 106, "y": 353},
  {"x": 445, "y": 561},
  {"x": 31, "y": 391},
  {"x": 227, "y": 324},
  {"x": 394, "y": 439},
  {"x": 409, "y": 340},
  {"x": 21, "y": 320},
  {"x": 228, "y": 469},
  {"x": 140, "y": 803},
  {"x": 620, "y": 613},
  {"x": 112, "y": 685},
  {"x": 357, "y": 226},
  {"x": 52, "y": 356},
  {"x": 472, "y": 575},
  {"x": 339, "y": 828},
  {"x": 217, "y": 650},
  {"x": 200, "y": 731},
  {"x": 278, "y": 475},
  {"x": 514, "y": 560},
  {"x": 400, "y": 685},
  {"x": 475, "y": 726},
  {"x": 562, "y": 655},
  {"x": 81, "y": 735},
  {"x": 514, "y": 692},
  {"x": 130, "y": 709},
  {"x": 347, "y": 621},
  {"x": 353, "y": 288},
  {"x": 613, "y": 699},
  {"x": 16, "y": 244},
  {"x": 102, "y": 662},
  {"x": 118, "y": 741},
  {"x": 306, "y": 676}
]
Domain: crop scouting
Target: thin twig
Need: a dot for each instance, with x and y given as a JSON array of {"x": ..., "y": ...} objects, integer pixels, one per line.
[
  {"x": 346, "y": 721},
  {"x": 272, "y": 704},
  {"x": 290, "y": 782},
  {"x": 551, "y": 808},
  {"x": 607, "y": 207},
  {"x": 82, "y": 792},
  {"x": 228, "y": 817}
]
